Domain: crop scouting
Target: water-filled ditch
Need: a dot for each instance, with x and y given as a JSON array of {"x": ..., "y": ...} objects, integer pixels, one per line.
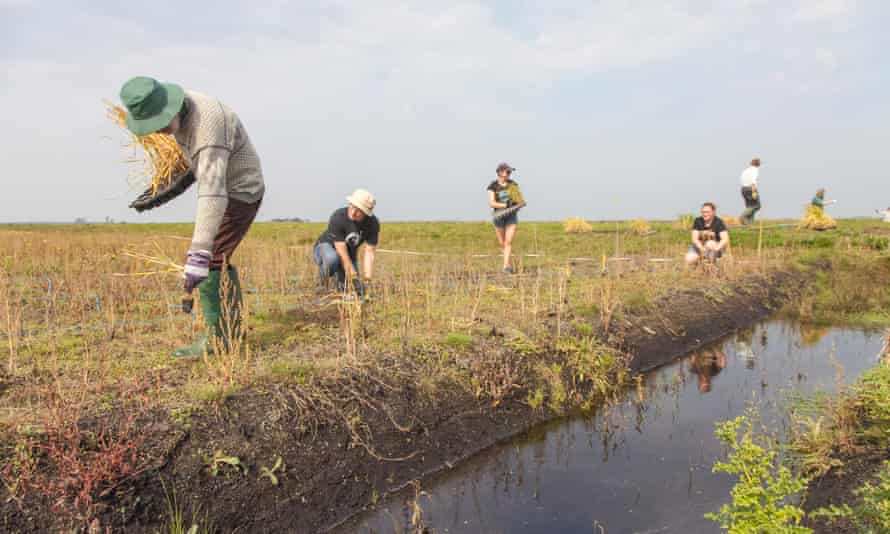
[{"x": 644, "y": 464}]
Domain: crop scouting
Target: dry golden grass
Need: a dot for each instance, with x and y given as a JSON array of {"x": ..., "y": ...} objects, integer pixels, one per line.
[
  {"x": 67, "y": 316},
  {"x": 161, "y": 159},
  {"x": 577, "y": 225}
]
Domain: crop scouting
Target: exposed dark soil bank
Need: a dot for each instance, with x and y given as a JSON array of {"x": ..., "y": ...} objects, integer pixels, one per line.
[
  {"x": 333, "y": 465},
  {"x": 837, "y": 486}
]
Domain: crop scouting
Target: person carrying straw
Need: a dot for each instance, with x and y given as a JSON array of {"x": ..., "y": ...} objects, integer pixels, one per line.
[
  {"x": 223, "y": 162},
  {"x": 505, "y": 199}
]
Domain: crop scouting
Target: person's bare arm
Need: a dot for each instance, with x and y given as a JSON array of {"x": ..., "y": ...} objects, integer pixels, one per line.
[
  {"x": 343, "y": 252},
  {"x": 370, "y": 254},
  {"x": 493, "y": 203},
  {"x": 724, "y": 240},
  {"x": 696, "y": 240}
]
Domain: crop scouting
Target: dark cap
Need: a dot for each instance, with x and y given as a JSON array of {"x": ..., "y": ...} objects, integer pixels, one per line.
[{"x": 504, "y": 166}]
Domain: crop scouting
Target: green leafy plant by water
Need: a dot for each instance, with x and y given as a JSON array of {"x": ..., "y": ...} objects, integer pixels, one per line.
[
  {"x": 761, "y": 499},
  {"x": 872, "y": 514}
]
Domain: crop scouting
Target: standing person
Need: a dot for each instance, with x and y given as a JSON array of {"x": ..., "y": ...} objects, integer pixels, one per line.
[
  {"x": 336, "y": 250},
  {"x": 710, "y": 236},
  {"x": 750, "y": 193},
  {"x": 499, "y": 197},
  {"x": 227, "y": 169}
]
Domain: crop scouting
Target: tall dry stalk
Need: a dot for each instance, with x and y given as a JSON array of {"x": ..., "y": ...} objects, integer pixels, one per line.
[{"x": 12, "y": 318}]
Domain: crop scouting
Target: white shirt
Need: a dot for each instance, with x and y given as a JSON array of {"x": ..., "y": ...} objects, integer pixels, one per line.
[{"x": 749, "y": 176}]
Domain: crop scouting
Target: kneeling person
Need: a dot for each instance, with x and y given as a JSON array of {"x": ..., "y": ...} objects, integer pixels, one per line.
[
  {"x": 336, "y": 251},
  {"x": 709, "y": 236}
]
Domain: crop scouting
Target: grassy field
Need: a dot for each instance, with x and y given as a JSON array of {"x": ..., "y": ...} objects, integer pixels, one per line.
[{"x": 86, "y": 329}]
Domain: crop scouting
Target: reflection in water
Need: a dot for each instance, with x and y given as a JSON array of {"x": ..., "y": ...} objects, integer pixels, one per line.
[
  {"x": 643, "y": 464},
  {"x": 811, "y": 335},
  {"x": 706, "y": 364}
]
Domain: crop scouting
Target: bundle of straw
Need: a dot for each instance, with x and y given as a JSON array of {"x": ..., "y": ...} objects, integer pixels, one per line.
[
  {"x": 161, "y": 159},
  {"x": 577, "y": 225},
  {"x": 640, "y": 227},
  {"x": 165, "y": 264},
  {"x": 816, "y": 219}
]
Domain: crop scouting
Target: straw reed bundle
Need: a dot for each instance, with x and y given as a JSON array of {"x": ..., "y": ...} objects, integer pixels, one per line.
[
  {"x": 577, "y": 225},
  {"x": 162, "y": 158},
  {"x": 640, "y": 227},
  {"x": 816, "y": 219},
  {"x": 731, "y": 221}
]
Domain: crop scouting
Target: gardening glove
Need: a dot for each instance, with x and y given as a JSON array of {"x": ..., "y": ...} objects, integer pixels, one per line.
[
  {"x": 754, "y": 194},
  {"x": 197, "y": 268},
  {"x": 149, "y": 200}
]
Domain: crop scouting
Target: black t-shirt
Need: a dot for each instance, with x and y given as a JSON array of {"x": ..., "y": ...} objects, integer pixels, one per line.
[
  {"x": 716, "y": 227},
  {"x": 343, "y": 229},
  {"x": 500, "y": 190}
]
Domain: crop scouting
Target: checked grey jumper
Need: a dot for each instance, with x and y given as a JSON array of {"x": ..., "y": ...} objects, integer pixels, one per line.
[{"x": 223, "y": 159}]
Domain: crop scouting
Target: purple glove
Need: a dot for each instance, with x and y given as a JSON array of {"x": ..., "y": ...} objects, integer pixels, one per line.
[{"x": 197, "y": 268}]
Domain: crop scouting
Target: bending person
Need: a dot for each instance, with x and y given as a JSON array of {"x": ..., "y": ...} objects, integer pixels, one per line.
[
  {"x": 709, "y": 236},
  {"x": 336, "y": 250},
  {"x": 227, "y": 170},
  {"x": 750, "y": 193}
]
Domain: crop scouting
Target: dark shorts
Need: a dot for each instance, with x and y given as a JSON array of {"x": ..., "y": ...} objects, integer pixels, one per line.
[
  {"x": 504, "y": 222},
  {"x": 750, "y": 201},
  {"x": 234, "y": 226}
]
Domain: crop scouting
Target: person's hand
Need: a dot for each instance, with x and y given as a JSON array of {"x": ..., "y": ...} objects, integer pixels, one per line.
[
  {"x": 197, "y": 268},
  {"x": 358, "y": 287},
  {"x": 150, "y": 199}
]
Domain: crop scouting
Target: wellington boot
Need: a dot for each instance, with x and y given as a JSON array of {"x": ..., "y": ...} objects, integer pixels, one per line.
[
  {"x": 222, "y": 317},
  {"x": 199, "y": 348}
]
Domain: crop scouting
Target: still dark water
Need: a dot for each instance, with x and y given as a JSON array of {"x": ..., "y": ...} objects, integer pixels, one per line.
[{"x": 643, "y": 465}]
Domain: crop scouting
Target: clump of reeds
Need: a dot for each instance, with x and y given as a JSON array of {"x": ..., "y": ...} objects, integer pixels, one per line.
[
  {"x": 816, "y": 219},
  {"x": 577, "y": 225},
  {"x": 161, "y": 160},
  {"x": 684, "y": 221},
  {"x": 640, "y": 227},
  {"x": 731, "y": 221}
]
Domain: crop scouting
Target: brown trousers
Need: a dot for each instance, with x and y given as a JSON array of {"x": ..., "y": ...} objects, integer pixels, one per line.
[{"x": 235, "y": 224}]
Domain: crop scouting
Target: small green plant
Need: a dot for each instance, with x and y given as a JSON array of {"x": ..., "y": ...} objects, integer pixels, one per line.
[
  {"x": 270, "y": 473},
  {"x": 177, "y": 522},
  {"x": 761, "y": 497},
  {"x": 878, "y": 243},
  {"x": 458, "y": 341},
  {"x": 872, "y": 515},
  {"x": 536, "y": 398},
  {"x": 584, "y": 329},
  {"x": 219, "y": 460}
]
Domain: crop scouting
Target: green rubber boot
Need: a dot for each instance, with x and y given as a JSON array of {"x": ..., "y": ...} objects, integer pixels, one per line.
[{"x": 222, "y": 322}]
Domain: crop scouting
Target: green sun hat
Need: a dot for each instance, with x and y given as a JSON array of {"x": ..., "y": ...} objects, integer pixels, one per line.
[{"x": 150, "y": 103}]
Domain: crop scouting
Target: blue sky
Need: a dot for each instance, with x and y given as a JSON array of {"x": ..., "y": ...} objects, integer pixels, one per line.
[{"x": 609, "y": 109}]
